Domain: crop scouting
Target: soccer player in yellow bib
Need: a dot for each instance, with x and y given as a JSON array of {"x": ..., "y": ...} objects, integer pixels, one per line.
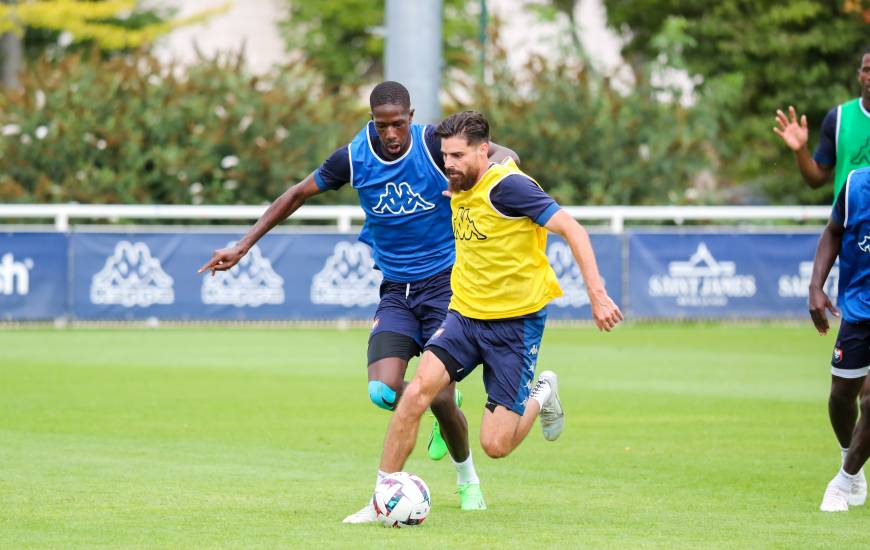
[{"x": 501, "y": 285}]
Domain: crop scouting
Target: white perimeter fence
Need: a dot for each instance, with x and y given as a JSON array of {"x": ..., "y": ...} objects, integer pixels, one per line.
[{"x": 342, "y": 217}]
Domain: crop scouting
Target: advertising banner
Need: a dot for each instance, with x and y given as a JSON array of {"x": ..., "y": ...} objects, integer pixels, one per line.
[
  {"x": 721, "y": 275},
  {"x": 33, "y": 276}
]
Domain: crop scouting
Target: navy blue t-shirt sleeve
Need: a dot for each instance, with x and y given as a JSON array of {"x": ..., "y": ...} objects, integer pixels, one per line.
[
  {"x": 826, "y": 152},
  {"x": 433, "y": 144},
  {"x": 335, "y": 170},
  {"x": 838, "y": 212},
  {"x": 517, "y": 195}
]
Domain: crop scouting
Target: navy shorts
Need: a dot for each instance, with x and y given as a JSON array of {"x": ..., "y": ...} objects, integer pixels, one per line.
[
  {"x": 851, "y": 355},
  {"x": 507, "y": 348},
  {"x": 415, "y": 310}
]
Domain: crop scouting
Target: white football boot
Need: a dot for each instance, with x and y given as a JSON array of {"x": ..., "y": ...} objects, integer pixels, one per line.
[
  {"x": 552, "y": 415},
  {"x": 835, "y": 499},
  {"x": 365, "y": 515},
  {"x": 858, "y": 493}
]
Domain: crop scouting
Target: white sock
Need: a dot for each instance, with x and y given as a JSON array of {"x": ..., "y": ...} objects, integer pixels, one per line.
[
  {"x": 465, "y": 472},
  {"x": 541, "y": 393},
  {"x": 844, "y": 481}
]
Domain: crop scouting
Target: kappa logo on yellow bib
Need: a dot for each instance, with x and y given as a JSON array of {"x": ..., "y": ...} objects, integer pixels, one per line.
[{"x": 464, "y": 228}]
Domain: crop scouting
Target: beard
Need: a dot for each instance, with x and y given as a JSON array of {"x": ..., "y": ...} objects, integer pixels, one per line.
[{"x": 460, "y": 181}]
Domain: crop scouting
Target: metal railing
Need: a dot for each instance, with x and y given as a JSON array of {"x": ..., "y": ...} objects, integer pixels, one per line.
[{"x": 343, "y": 216}]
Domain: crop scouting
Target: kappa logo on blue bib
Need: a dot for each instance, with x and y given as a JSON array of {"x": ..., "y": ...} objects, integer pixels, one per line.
[
  {"x": 865, "y": 244},
  {"x": 401, "y": 199}
]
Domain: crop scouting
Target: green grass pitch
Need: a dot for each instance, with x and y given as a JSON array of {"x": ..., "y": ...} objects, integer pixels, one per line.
[{"x": 676, "y": 436}]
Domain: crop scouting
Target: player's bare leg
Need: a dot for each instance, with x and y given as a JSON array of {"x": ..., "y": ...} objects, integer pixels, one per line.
[
  {"x": 843, "y": 412},
  {"x": 430, "y": 379},
  {"x": 454, "y": 428},
  {"x": 502, "y": 430},
  {"x": 452, "y": 422},
  {"x": 386, "y": 384},
  {"x": 839, "y": 491},
  {"x": 843, "y": 407}
]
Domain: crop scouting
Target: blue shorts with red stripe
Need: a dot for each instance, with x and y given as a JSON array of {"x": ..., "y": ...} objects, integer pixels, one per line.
[{"x": 507, "y": 348}]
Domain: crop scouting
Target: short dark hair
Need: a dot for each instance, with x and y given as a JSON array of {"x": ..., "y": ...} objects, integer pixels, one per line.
[
  {"x": 390, "y": 93},
  {"x": 470, "y": 124}
]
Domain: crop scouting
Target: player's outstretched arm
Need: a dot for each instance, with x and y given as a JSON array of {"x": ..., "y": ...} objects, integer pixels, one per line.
[
  {"x": 826, "y": 252},
  {"x": 289, "y": 201},
  {"x": 605, "y": 312},
  {"x": 795, "y": 134}
]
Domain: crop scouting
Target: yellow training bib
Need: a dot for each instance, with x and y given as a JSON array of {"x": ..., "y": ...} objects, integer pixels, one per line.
[{"x": 501, "y": 267}]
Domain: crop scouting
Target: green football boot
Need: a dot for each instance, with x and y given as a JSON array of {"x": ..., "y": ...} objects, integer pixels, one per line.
[
  {"x": 437, "y": 447},
  {"x": 470, "y": 497}
]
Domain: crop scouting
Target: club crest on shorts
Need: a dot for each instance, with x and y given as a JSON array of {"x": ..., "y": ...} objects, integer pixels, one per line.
[
  {"x": 838, "y": 355},
  {"x": 438, "y": 333}
]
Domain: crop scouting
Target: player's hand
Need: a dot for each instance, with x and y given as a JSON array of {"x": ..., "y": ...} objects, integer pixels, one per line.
[
  {"x": 605, "y": 312},
  {"x": 223, "y": 259},
  {"x": 820, "y": 304},
  {"x": 792, "y": 132}
]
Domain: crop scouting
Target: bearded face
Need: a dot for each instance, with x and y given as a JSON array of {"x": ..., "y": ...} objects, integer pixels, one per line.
[
  {"x": 463, "y": 162},
  {"x": 460, "y": 180}
]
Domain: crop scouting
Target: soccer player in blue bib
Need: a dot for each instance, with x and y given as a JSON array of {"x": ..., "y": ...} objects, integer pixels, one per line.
[
  {"x": 847, "y": 235},
  {"x": 397, "y": 168}
]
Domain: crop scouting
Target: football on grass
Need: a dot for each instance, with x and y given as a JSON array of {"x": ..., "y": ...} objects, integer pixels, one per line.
[{"x": 401, "y": 500}]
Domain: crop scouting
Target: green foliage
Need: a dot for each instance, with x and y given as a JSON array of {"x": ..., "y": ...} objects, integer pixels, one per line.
[
  {"x": 130, "y": 130},
  {"x": 344, "y": 40},
  {"x": 588, "y": 144},
  {"x": 756, "y": 56},
  {"x": 108, "y": 24}
]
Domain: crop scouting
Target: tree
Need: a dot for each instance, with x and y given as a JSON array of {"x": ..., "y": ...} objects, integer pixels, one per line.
[
  {"x": 587, "y": 143},
  {"x": 107, "y": 24},
  {"x": 755, "y": 56},
  {"x": 132, "y": 129},
  {"x": 344, "y": 39}
]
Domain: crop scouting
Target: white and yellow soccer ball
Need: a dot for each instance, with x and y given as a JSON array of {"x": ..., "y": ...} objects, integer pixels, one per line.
[{"x": 401, "y": 500}]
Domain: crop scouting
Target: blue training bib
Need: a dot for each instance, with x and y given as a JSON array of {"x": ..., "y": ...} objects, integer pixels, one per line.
[
  {"x": 854, "y": 288},
  {"x": 407, "y": 218}
]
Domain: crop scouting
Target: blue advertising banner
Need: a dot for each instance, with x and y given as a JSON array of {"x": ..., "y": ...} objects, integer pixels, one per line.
[
  {"x": 574, "y": 303},
  {"x": 120, "y": 276},
  {"x": 300, "y": 276},
  {"x": 721, "y": 275},
  {"x": 33, "y": 276}
]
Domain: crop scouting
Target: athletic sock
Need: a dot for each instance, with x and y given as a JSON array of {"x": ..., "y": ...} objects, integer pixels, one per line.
[
  {"x": 843, "y": 481},
  {"x": 541, "y": 393},
  {"x": 465, "y": 472}
]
